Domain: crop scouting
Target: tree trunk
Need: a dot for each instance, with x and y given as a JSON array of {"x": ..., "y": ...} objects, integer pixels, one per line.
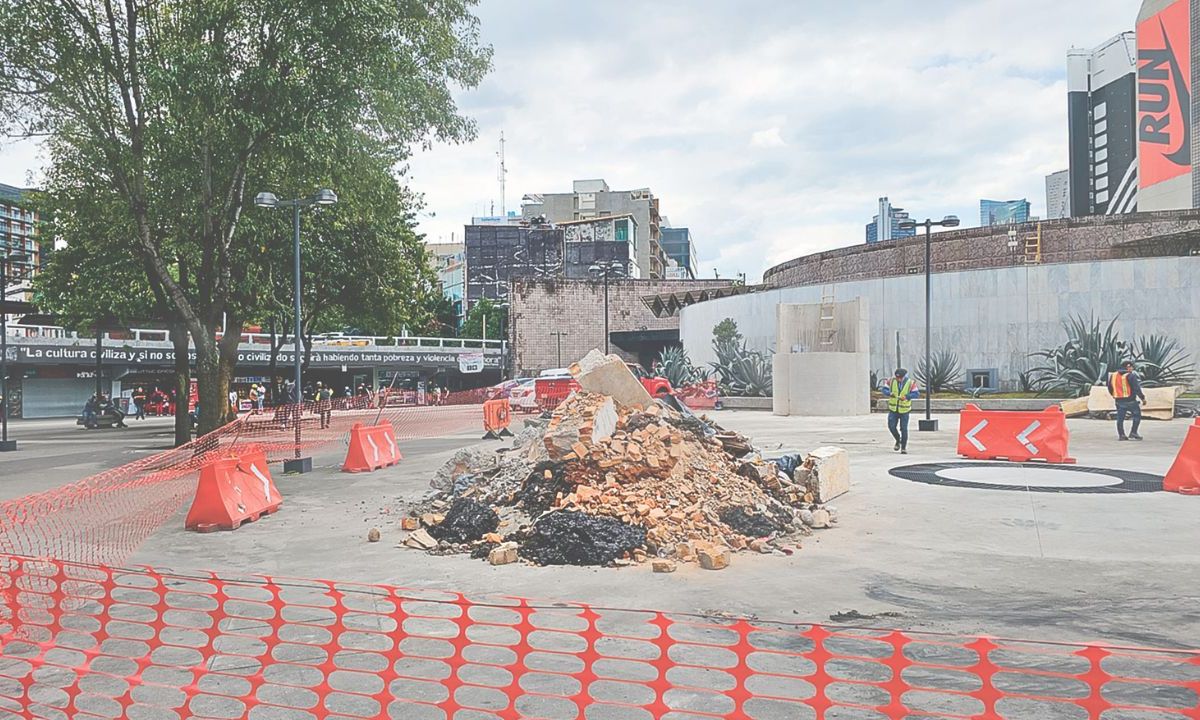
[
  {"x": 227, "y": 349},
  {"x": 183, "y": 381}
]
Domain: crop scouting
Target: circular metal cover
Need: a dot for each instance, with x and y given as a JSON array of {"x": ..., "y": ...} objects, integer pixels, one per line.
[{"x": 1030, "y": 477}]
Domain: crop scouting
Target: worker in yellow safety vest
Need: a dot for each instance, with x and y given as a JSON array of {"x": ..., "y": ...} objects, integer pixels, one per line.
[
  {"x": 900, "y": 391},
  {"x": 1126, "y": 388}
]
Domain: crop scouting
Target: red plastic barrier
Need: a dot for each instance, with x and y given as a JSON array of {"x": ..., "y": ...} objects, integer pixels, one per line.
[
  {"x": 551, "y": 392},
  {"x": 231, "y": 491},
  {"x": 1184, "y": 475},
  {"x": 699, "y": 396},
  {"x": 496, "y": 417},
  {"x": 371, "y": 447},
  {"x": 1015, "y": 436},
  {"x": 88, "y": 641}
]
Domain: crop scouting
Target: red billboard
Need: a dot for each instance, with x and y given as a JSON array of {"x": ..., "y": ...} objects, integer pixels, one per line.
[{"x": 1164, "y": 94}]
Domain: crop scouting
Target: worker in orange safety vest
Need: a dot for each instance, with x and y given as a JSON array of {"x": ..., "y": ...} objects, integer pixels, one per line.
[{"x": 1126, "y": 389}]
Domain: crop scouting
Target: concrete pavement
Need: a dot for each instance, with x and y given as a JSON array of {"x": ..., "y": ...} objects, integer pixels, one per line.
[{"x": 1116, "y": 567}]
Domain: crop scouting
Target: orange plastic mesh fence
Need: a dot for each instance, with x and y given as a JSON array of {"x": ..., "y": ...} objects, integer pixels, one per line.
[
  {"x": 103, "y": 518},
  {"x": 81, "y": 641}
]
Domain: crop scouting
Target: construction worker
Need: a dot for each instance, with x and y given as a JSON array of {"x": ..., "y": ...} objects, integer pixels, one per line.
[
  {"x": 324, "y": 398},
  {"x": 1126, "y": 388},
  {"x": 139, "y": 402},
  {"x": 900, "y": 391}
]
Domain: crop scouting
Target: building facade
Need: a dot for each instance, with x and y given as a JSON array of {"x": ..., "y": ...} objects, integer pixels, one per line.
[
  {"x": 603, "y": 239},
  {"x": 1058, "y": 195},
  {"x": 449, "y": 261},
  {"x": 1101, "y": 120},
  {"x": 497, "y": 254},
  {"x": 19, "y": 236},
  {"x": 886, "y": 224},
  {"x": 1003, "y": 212},
  {"x": 592, "y": 199},
  {"x": 680, "y": 248},
  {"x": 1168, "y": 41}
]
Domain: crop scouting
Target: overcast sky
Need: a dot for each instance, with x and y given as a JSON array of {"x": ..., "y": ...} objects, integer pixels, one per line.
[{"x": 769, "y": 128}]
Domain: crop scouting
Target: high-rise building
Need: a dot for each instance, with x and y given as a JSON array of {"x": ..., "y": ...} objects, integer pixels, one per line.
[
  {"x": 886, "y": 225},
  {"x": 602, "y": 239},
  {"x": 19, "y": 236},
  {"x": 1101, "y": 114},
  {"x": 679, "y": 246},
  {"x": 1003, "y": 212},
  {"x": 449, "y": 261},
  {"x": 496, "y": 254},
  {"x": 1168, "y": 44},
  {"x": 1058, "y": 195},
  {"x": 591, "y": 199}
]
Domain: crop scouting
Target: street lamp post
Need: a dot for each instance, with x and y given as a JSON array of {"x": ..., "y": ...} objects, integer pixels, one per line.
[
  {"x": 612, "y": 268},
  {"x": 558, "y": 334},
  {"x": 928, "y": 424},
  {"x": 270, "y": 201},
  {"x": 6, "y": 445}
]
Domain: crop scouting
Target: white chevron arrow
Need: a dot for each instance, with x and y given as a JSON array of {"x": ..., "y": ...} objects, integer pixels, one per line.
[
  {"x": 263, "y": 479},
  {"x": 970, "y": 436},
  {"x": 374, "y": 447},
  {"x": 1023, "y": 438},
  {"x": 392, "y": 447}
]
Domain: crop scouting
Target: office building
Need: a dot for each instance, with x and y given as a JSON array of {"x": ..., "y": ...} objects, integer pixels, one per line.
[
  {"x": 680, "y": 248},
  {"x": 1168, "y": 72},
  {"x": 1101, "y": 122},
  {"x": 19, "y": 234},
  {"x": 886, "y": 224},
  {"x": 1058, "y": 195},
  {"x": 1003, "y": 212},
  {"x": 591, "y": 199},
  {"x": 449, "y": 261}
]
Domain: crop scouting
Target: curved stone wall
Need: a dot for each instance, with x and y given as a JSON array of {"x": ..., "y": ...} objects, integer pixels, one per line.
[
  {"x": 992, "y": 318},
  {"x": 1071, "y": 240}
]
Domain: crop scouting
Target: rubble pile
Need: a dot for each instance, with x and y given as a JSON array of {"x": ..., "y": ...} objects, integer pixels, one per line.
[{"x": 603, "y": 482}]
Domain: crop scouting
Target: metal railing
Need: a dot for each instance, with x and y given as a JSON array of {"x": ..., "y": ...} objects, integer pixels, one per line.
[{"x": 348, "y": 341}]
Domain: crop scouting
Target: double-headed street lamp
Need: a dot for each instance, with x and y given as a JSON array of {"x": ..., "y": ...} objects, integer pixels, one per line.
[
  {"x": 928, "y": 424},
  {"x": 268, "y": 200},
  {"x": 611, "y": 268},
  {"x": 7, "y": 257}
]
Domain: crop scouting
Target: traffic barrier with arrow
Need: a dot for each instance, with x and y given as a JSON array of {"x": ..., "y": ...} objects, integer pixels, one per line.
[
  {"x": 371, "y": 447},
  {"x": 1015, "y": 436},
  {"x": 231, "y": 491}
]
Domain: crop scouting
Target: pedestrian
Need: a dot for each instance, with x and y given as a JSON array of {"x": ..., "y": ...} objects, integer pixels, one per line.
[
  {"x": 139, "y": 402},
  {"x": 324, "y": 404},
  {"x": 900, "y": 391},
  {"x": 254, "y": 398},
  {"x": 233, "y": 403},
  {"x": 1126, "y": 388}
]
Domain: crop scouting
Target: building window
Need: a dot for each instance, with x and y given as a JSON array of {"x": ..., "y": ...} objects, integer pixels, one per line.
[{"x": 621, "y": 231}]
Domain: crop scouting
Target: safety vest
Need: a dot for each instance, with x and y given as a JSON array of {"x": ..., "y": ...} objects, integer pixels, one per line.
[
  {"x": 1120, "y": 386},
  {"x": 899, "y": 401}
]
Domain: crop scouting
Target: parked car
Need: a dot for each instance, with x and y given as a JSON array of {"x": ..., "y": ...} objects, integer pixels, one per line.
[
  {"x": 523, "y": 397},
  {"x": 503, "y": 389}
]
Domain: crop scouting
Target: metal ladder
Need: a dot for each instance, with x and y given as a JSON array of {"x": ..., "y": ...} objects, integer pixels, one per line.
[
  {"x": 1033, "y": 246},
  {"x": 828, "y": 329}
]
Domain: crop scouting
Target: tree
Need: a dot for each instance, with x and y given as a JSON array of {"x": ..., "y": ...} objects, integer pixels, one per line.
[
  {"x": 182, "y": 107},
  {"x": 496, "y": 315}
]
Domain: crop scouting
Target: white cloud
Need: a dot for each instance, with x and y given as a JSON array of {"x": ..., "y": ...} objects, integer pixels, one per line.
[
  {"x": 769, "y": 138},
  {"x": 935, "y": 104}
]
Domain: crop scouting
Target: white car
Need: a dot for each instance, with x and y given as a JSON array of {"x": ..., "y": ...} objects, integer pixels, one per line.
[{"x": 523, "y": 397}]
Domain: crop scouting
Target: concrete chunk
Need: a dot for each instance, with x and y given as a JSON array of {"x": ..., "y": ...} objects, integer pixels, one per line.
[
  {"x": 608, "y": 375},
  {"x": 830, "y": 473},
  {"x": 713, "y": 557},
  {"x": 663, "y": 566},
  {"x": 420, "y": 540},
  {"x": 503, "y": 554}
]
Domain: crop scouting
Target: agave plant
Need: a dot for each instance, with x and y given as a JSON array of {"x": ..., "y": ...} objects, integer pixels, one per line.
[
  {"x": 675, "y": 365},
  {"x": 943, "y": 373},
  {"x": 1090, "y": 353},
  {"x": 1161, "y": 361},
  {"x": 740, "y": 371}
]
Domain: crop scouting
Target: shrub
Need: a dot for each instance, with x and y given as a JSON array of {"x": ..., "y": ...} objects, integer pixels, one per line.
[
  {"x": 943, "y": 373},
  {"x": 675, "y": 365}
]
